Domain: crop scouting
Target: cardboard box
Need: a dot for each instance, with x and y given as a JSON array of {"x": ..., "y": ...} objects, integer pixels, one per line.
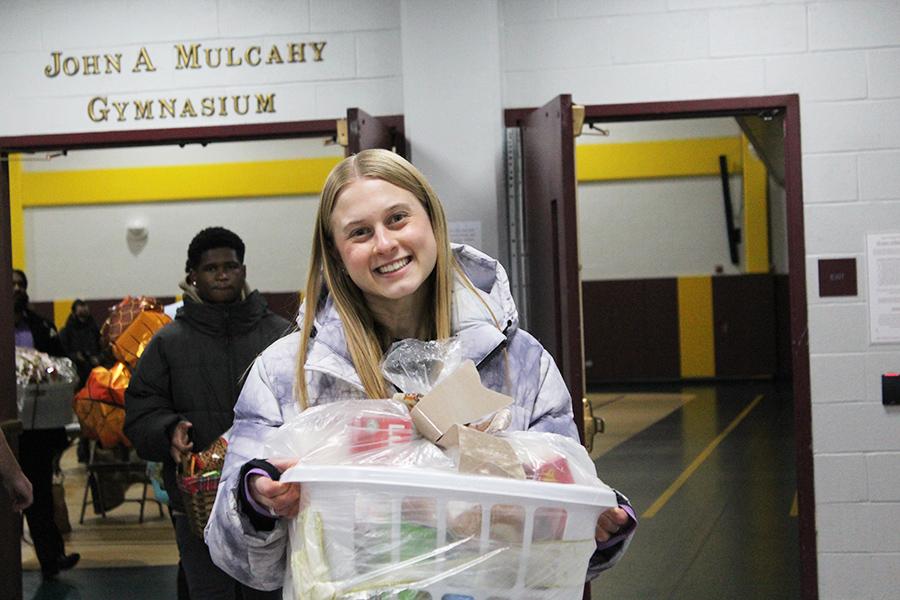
[
  {"x": 442, "y": 415},
  {"x": 45, "y": 405},
  {"x": 457, "y": 400}
]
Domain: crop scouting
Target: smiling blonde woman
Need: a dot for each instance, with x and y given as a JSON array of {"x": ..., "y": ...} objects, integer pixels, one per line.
[{"x": 382, "y": 269}]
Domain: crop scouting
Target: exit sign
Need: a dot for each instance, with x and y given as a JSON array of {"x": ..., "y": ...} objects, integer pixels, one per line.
[{"x": 837, "y": 277}]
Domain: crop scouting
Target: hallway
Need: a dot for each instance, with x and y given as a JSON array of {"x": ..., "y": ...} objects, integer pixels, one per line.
[
  {"x": 712, "y": 478},
  {"x": 708, "y": 468}
]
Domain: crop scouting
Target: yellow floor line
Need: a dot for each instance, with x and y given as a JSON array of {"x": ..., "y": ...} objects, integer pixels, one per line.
[
  {"x": 794, "y": 509},
  {"x": 676, "y": 485}
]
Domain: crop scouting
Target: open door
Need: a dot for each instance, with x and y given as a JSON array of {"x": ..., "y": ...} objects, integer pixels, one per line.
[
  {"x": 365, "y": 131},
  {"x": 553, "y": 281},
  {"x": 10, "y": 426},
  {"x": 10, "y": 522}
]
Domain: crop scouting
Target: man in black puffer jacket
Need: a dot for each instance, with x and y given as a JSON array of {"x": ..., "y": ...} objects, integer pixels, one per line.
[{"x": 182, "y": 394}]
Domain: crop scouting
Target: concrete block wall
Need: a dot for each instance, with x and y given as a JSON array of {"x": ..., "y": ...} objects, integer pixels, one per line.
[
  {"x": 841, "y": 56},
  {"x": 843, "y": 59},
  {"x": 361, "y": 65}
]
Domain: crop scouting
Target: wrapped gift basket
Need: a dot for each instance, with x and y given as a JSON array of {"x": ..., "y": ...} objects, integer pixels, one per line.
[
  {"x": 198, "y": 480},
  {"x": 410, "y": 533}
]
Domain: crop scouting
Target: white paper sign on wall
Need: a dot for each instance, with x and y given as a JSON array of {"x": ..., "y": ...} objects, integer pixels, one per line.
[
  {"x": 883, "y": 259},
  {"x": 465, "y": 232}
]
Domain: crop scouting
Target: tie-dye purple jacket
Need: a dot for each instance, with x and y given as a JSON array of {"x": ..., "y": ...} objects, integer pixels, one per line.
[{"x": 542, "y": 403}]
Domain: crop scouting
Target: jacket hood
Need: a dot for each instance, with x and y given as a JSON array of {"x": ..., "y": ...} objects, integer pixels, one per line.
[
  {"x": 490, "y": 280},
  {"x": 224, "y": 319},
  {"x": 482, "y": 322}
]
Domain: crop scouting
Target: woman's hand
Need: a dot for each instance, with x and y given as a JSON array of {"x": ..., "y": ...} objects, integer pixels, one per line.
[
  {"x": 610, "y": 523},
  {"x": 281, "y": 499}
]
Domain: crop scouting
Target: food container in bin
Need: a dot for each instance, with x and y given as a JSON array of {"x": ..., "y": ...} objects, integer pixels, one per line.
[{"x": 387, "y": 532}]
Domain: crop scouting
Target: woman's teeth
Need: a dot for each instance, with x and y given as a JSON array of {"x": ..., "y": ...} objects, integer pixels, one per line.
[{"x": 393, "y": 266}]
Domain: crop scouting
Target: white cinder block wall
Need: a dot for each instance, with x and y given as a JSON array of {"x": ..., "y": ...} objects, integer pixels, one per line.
[
  {"x": 843, "y": 59},
  {"x": 361, "y": 67}
]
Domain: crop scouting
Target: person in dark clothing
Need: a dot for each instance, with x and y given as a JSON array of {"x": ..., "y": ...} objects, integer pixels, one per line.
[
  {"x": 80, "y": 339},
  {"x": 39, "y": 448},
  {"x": 182, "y": 394}
]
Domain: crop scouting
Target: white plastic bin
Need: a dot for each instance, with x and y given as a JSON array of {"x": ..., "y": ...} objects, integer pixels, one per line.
[{"x": 385, "y": 532}]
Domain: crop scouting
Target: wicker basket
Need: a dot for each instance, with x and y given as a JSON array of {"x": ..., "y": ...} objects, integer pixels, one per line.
[
  {"x": 198, "y": 494},
  {"x": 198, "y": 480}
]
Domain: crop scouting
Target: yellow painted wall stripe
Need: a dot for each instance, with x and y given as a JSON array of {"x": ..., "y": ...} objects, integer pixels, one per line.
[
  {"x": 695, "y": 464},
  {"x": 695, "y": 327},
  {"x": 61, "y": 311},
  {"x": 16, "y": 213},
  {"x": 643, "y": 160},
  {"x": 176, "y": 183},
  {"x": 756, "y": 211}
]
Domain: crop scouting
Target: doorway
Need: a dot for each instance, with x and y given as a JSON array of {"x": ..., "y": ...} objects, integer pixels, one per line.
[
  {"x": 358, "y": 131},
  {"x": 783, "y": 114}
]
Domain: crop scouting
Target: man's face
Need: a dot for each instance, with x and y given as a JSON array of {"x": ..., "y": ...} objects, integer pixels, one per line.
[
  {"x": 82, "y": 312},
  {"x": 20, "y": 292},
  {"x": 219, "y": 276}
]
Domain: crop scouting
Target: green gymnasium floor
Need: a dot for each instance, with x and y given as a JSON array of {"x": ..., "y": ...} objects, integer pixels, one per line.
[
  {"x": 124, "y": 583},
  {"x": 712, "y": 479},
  {"x": 708, "y": 468}
]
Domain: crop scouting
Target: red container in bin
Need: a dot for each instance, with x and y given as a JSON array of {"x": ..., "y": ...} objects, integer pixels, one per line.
[
  {"x": 556, "y": 471},
  {"x": 550, "y": 523},
  {"x": 378, "y": 431}
]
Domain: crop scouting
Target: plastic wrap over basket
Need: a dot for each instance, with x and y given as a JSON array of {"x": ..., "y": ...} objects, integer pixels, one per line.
[
  {"x": 386, "y": 514},
  {"x": 356, "y": 432},
  {"x": 33, "y": 366},
  {"x": 100, "y": 405},
  {"x": 44, "y": 388},
  {"x": 383, "y": 532},
  {"x": 416, "y": 366}
]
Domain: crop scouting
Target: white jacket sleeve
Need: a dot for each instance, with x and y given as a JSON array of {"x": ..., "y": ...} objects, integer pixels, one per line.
[
  {"x": 255, "y": 558},
  {"x": 552, "y": 410},
  {"x": 553, "y": 413}
]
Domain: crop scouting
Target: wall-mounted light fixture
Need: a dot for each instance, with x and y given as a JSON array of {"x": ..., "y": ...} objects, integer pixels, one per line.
[{"x": 136, "y": 234}]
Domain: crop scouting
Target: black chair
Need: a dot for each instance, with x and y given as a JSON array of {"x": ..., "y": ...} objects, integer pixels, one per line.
[{"x": 119, "y": 464}]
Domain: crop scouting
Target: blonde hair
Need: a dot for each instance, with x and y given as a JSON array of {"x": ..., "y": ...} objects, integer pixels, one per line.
[{"x": 365, "y": 344}]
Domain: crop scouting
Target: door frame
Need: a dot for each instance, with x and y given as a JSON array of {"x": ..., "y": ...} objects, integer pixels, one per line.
[
  {"x": 789, "y": 105},
  {"x": 11, "y": 563}
]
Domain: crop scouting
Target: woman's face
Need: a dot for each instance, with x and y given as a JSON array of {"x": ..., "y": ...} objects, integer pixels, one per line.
[{"x": 384, "y": 238}]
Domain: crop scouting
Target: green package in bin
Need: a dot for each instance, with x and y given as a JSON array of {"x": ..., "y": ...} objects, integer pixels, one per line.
[
  {"x": 375, "y": 545},
  {"x": 416, "y": 540}
]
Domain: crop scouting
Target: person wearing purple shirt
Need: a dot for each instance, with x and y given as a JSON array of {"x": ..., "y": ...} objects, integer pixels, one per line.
[{"x": 39, "y": 448}]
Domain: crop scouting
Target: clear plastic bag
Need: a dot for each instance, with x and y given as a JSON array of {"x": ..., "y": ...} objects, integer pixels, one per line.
[
  {"x": 416, "y": 367},
  {"x": 553, "y": 458},
  {"x": 360, "y": 432},
  {"x": 380, "y": 532},
  {"x": 368, "y": 529},
  {"x": 38, "y": 367}
]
